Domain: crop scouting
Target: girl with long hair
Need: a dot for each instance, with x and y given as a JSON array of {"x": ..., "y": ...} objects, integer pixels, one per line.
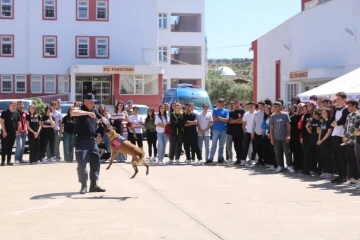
[
  {"x": 67, "y": 128},
  {"x": 47, "y": 135},
  {"x": 33, "y": 120},
  {"x": 151, "y": 135},
  {"x": 161, "y": 119},
  {"x": 324, "y": 143},
  {"x": 136, "y": 131},
  {"x": 119, "y": 119}
]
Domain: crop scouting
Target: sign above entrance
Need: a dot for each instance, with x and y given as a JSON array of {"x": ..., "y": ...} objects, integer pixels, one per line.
[
  {"x": 298, "y": 75},
  {"x": 119, "y": 69}
]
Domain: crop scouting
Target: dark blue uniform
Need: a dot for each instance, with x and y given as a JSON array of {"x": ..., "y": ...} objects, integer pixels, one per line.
[{"x": 86, "y": 149}]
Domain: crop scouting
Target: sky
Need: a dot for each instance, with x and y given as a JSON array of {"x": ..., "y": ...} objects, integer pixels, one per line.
[{"x": 239, "y": 22}]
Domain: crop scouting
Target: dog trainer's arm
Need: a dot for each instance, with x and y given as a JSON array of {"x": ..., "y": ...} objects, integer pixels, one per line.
[{"x": 79, "y": 113}]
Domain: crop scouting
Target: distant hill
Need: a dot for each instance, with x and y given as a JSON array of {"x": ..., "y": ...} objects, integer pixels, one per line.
[{"x": 235, "y": 64}]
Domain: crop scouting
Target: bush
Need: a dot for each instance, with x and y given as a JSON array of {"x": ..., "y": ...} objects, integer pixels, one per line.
[{"x": 40, "y": 105}]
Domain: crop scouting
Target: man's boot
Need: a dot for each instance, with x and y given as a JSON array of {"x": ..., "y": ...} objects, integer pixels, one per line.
[
  {"x": 95, "y": 188},
  {"x": 83, "y": 189}
]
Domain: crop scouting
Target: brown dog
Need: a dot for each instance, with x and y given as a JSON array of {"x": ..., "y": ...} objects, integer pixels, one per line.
[{"x": 120, "y": 144}]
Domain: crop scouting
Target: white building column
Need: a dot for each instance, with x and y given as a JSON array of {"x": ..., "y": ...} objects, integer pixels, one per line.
[{"x": 72, "y": 92}]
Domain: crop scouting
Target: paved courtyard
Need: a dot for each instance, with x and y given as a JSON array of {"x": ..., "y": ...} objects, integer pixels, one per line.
[{"x": 174, "y": 202}]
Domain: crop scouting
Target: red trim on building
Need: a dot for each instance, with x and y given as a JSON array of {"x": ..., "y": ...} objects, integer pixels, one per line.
[
  {"x": 92, "y": 47},
  {"x": 277, "y": 79},
  {"x": 12, "y": 10},
  {"x": 12, "y": 42},
  {"x": 55, "y": 12},
  {"x": 92, "y": 11},
  {"x": 56, "y": 46},
  {"x": 303, "y": 4},
  {"x": 254, "y": 46}
]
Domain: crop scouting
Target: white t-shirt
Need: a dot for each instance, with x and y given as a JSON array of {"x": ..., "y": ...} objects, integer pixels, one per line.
[
  {"x": 136, "y": 121},
  {"x": 158, "y": 120},
  {"x": 203, "y": 121},
  {"x": 249, "y": 119},
  {"x": 58, "y": 117}
]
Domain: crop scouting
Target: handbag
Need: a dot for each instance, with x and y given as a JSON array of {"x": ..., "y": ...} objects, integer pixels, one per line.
[{"x": 168, "y": 128}]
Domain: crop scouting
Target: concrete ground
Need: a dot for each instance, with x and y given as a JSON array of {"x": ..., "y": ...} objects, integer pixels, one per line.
[{"x": 174, "y": 202}]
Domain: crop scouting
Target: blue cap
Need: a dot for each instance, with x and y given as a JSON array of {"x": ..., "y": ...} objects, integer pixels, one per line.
[
  {"x": 129, "y": 102},
  {"x": 90, "y": 96}
]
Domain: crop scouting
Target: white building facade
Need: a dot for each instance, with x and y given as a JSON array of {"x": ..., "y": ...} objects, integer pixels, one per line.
[
  {"x": 317, "y": 45},
  {"x": 110, "y": 47}
]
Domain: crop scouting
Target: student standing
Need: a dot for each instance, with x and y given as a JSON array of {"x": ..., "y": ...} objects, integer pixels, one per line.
[
  {"x": 58, "y": 135},
  {"x": 269, "y": 153},
  {"x": 295, "y": 144},
  {"x": 10, "y": 122},
  {"x": 247, "y": 126},
  {"x": 67, "y": 129},
  {"x": 190, "y": 135},
  {"x": 204, "y": 124},
  {"x": 176, "y": 138},
  {"x": 161, "y": 120},
  {"x": 280, "y": 137},
  {"x": 47, "y": 135},
  {"x": 311, "y": 157},
  {"x": 151, "y": 134},
  {"x": 136, "y": 131},
  {"x": 257, "y": 133},
  {"x": 324, "y": 144},
  {"x": 237, "y": 131},
  {"x": 33, "y": 120},
  {"x": 119, "y": 120},
  {"x": 21, "y": 138}
]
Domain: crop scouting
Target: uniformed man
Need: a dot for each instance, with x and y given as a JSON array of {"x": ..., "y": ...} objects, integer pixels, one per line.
[{"x": 86, "y": 149}]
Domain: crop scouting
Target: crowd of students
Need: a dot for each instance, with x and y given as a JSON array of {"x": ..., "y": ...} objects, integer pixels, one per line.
[{"x": 319, "y": 137}]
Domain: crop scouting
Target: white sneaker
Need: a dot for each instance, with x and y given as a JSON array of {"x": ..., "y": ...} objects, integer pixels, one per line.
[
  {"x": 17, "y": 162},
  {"x": 178, "y": 162},
  {"x": 44, "y": 160},
  {"x": 242, "y": 163},
  {"x": 323, "y": 175},
  {"x": 187, "y": 161},
  {"x": 229, "y": 161},
  {"x": 52, "y": 160},
  {"x": 154, "y": 159},
  {"x": 201, "y": 162},
  {"x": 160, "y": 163},
  {"x": 313, "y": 173},
  {"x": 279, "y": 169},
  {"x": 291, "y": 169},
  {"x": 170, "y": 162},
  {"x": 271, "y": 168},
  {"x": 358, "y": 185},
  {"x": 328, "y": 176}
]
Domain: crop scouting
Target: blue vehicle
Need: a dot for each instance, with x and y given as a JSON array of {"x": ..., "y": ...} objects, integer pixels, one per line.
[{"x": 186, "y": 93}]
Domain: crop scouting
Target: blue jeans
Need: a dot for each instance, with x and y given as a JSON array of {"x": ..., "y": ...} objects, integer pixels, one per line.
[
  {"x": 205, "y": 139},
  {"x": 221, "y": 137},
  {"x": 162, "y": 141},
  {"x": 107, "y": 143},
  {"x": 56, "y": 146},
  {"x": 68, "y": 147},
  {"x": 20, "y": 146}
]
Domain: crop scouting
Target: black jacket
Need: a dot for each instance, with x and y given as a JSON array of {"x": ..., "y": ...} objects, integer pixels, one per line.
[{"x": 177, "y": 123}]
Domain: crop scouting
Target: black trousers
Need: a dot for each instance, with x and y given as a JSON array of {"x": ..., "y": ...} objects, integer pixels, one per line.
[
  {"x": 151, "y": 138},
  {"x": 47, "y": 137},
  {"x": 238, "y": 140},
  {"x": 352, "y": 167},
  {"x": 269, "y": 152},
  {"x": 296, "y": 151},
  {"x": 191, "y": 146},
  {"x": 259, "y": 147},
  {"x": 34, "y": 147},
  {"x": 7, "y": 145},
  {"x": 105, "y": 156},
  {"x": 325, "y": 156},
  {"x": 175, "y": 146},
  {"x": 138, "y": 140},
  {"x": 311, "y": 155},
  {"x": 339, "y": 156},
  {"x": 247, "y": 141}
]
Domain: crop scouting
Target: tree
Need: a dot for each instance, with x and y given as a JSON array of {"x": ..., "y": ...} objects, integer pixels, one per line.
[
  {"x": 229, "y": 90},
  {"x": 40, "y": 105}
]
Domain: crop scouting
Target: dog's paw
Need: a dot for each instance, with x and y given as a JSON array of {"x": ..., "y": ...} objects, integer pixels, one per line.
[{"x": 107, "y": 168}]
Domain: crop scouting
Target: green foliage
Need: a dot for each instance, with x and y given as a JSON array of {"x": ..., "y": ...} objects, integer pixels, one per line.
[
  {"x": 40, "y": 105},
  {"x": 228, "y": 89},
  {"x": 242, "y": 67}
]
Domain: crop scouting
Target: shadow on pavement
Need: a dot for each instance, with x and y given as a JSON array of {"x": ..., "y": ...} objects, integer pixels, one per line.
[{"x": 71, "y": 194}]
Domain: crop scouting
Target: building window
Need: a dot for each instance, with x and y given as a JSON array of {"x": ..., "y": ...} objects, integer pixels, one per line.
[
  {"x": 50, "y": 9},
  {"x": 102, "y": 47},
  {"x": 101, "y": 10},
  {"x": 7, "y": 46},
  {"x": 83, "y": 47},
  {"x": 7, "y": 9},
  {"x": 63, "y": 82},
  {"x": 50, "y": 46},
  {"x": 20, "y": 84},
  {"x": 165, "y": 86},
  {"x": 6, "y": 83},
  {"x": 83, "y": 9},
  {"x": 36, "y": 84},
  {"x": 163, "y": 53},
  {"x": 50, "y": 84},
  {"x": 292, "y": 91},
  {"x": 162, "y": 20},
  {"x": 138, "y": 84}
]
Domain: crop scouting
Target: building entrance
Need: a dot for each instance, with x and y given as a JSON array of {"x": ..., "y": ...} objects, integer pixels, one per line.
[{"x": 100, "y": 86}]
